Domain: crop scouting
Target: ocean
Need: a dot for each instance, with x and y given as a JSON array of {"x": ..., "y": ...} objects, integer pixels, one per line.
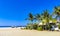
[{"x": 12, "y": 26}]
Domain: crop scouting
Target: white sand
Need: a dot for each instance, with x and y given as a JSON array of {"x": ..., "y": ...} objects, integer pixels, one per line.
[{"x": 19, "y": 32}]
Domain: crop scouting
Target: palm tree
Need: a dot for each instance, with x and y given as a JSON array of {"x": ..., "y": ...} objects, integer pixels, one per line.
[
  {"x": 46, "y": 17},
  {"x": 38, "y": 17},
  {"x": 30, "y": 18},
  {"x": 57, "y": 12}
]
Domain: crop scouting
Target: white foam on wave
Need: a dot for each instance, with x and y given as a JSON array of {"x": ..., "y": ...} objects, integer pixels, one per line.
[{"x": 11, "y": 28}]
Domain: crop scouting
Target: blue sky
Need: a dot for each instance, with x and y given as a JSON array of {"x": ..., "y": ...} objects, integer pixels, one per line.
[{"x": 14, "y": 12}]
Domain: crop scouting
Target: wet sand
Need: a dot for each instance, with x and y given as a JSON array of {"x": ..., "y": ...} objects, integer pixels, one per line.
[{"x": 19, "y": 32}]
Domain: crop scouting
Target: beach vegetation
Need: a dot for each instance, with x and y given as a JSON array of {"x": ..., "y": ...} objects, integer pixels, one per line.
[
  {"x": 40, "y": 28},
  {"x": 44, "y": 19},
  {"x": 35, "y": 26},
  {"x": 59, "y": 26}
]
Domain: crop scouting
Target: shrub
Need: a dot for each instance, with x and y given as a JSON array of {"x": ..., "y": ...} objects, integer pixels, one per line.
[
  {"x": 35, "y": 26},
  {"x": 29, "y": 26},
  {"x": 39, "y": 28},
  {"x": 48, "y": 27},
  {"x": 59, "y": 26}
]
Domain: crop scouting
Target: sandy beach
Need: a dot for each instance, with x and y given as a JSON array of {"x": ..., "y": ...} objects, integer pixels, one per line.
[{"x": 19, "y": 32}]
